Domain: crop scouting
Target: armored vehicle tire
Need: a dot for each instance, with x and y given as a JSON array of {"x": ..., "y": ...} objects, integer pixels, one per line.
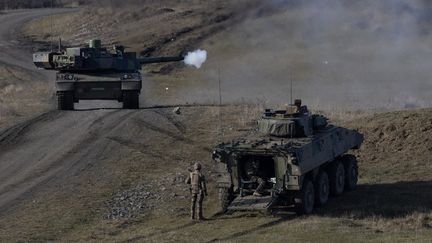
[
  {"x": 322, "y": 188},
  {"x": 337, "y": 178},
  {"x": 351, "y": 172},
  {"x": 305, "y": 200},
  {"x": 225, "y": 198},
  {"x": 130, "y": 99},
  {"x": 65, "y": 100}
]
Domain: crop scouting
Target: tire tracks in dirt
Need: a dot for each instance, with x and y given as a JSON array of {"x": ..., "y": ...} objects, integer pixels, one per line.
[
  {"x": 10, "y": 136},
  {"x": 85, "y": 152},
  {"x": 171, "y": 134}
]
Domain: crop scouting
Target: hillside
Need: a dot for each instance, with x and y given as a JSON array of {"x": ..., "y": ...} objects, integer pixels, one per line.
[
  {"x": 105, "y": 174},
  {"x": 398, "y": 145},
  {"x": 336, "y": 54},
  {"x": 137, "y": 191},
  {"x": 21, "y": 95}
]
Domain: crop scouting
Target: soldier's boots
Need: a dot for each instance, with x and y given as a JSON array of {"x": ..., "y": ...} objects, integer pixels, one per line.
[{"x": 200, "y": 214}]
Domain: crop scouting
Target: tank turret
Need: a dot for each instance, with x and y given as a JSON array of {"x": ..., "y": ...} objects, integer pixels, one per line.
[
  {"x": 293, "y": 122},
  {"x": 94, "y": 57}
]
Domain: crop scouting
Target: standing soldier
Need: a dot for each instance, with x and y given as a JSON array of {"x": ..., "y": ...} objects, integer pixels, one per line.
[{"x": 198, "y": 190}]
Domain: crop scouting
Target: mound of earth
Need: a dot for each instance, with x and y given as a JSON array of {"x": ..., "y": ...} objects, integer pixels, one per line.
[{"x": 397, "y": 145}]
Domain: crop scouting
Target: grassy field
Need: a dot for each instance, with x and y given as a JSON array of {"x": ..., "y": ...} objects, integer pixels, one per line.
[
  {"x": 393, "y": 201},
  {"x": 22, "y": 95}
]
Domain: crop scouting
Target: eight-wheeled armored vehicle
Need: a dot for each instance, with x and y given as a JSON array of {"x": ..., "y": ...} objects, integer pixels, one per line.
[
  {"x": 299, "y": 157},
  {"x": 97, "y": 73}
]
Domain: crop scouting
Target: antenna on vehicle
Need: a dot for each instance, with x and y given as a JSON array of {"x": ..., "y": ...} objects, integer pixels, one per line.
[
  {"x": 221, "y": 135},
  {"x": 291, "y": 90},
  {"x": 52, "y": 25}
]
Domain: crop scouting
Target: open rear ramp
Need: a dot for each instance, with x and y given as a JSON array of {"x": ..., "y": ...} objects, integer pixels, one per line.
[{"x": 252, "y": 203}]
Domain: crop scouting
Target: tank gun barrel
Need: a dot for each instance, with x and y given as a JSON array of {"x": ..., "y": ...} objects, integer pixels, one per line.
[{"x": 148, "y": 60}]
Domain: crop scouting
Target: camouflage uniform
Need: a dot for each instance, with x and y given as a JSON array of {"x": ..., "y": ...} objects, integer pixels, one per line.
[{"x": 198, "y": 190}]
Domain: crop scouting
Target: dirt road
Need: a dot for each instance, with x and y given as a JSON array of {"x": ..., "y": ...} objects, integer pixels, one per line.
[
  {"x": 11, "y": 52},
  {"x": 53, "y": 144}
]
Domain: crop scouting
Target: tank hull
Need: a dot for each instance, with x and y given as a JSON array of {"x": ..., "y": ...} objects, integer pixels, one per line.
[{"x": 99, "y": 86}]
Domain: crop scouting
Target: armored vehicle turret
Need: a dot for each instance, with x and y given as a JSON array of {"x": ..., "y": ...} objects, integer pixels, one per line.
[
  {"x": 97, "y": 73},
  {"x": 291, "y": 158}
]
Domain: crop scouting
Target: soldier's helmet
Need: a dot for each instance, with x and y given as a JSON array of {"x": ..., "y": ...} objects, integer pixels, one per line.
[{"x": 197, "y": 166}]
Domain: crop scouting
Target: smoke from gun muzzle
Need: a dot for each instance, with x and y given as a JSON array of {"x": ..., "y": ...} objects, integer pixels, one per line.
[{"x": 196, "y": 58}]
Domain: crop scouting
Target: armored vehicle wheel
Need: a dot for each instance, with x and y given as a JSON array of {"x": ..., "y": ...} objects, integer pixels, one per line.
[
  {"x": 130, "y": 99},
  {"x": 304, "y": 202},
  {"x": 65, "y": 100},
  {"x": 322, "y": 188},
  {"x": 351, "y": 172},
  {"x": 337, "y": 178},
  {"x": 225, "y": 198}
]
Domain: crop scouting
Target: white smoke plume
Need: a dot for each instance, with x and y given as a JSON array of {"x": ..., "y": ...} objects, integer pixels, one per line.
[{"x": 196, "y": 58}]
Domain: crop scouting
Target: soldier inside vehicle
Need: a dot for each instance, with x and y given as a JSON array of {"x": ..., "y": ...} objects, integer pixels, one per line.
[{"x": 256, "y": 175}]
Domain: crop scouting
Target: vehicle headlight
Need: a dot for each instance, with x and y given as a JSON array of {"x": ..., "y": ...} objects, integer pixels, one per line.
[{"x": 127, "y": 76}]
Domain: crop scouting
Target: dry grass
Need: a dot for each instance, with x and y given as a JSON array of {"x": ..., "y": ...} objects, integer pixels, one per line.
[
  {"x": 22, "y": 95},
  {"x": 184, "y": 25},
  {"x": 387, "y": 208},
  {"x": 393, "y": 203}
]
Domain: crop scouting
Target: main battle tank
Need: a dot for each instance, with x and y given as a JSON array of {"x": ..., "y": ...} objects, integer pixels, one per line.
[
  {"x": 97, "y": 73},
  {"x": 299, "y": 158}
]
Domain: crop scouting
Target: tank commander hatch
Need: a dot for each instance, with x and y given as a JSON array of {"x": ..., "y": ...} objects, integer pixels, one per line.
[
  {"x": 198, "y": 190},
  {"x": 300, "y": 109}
]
